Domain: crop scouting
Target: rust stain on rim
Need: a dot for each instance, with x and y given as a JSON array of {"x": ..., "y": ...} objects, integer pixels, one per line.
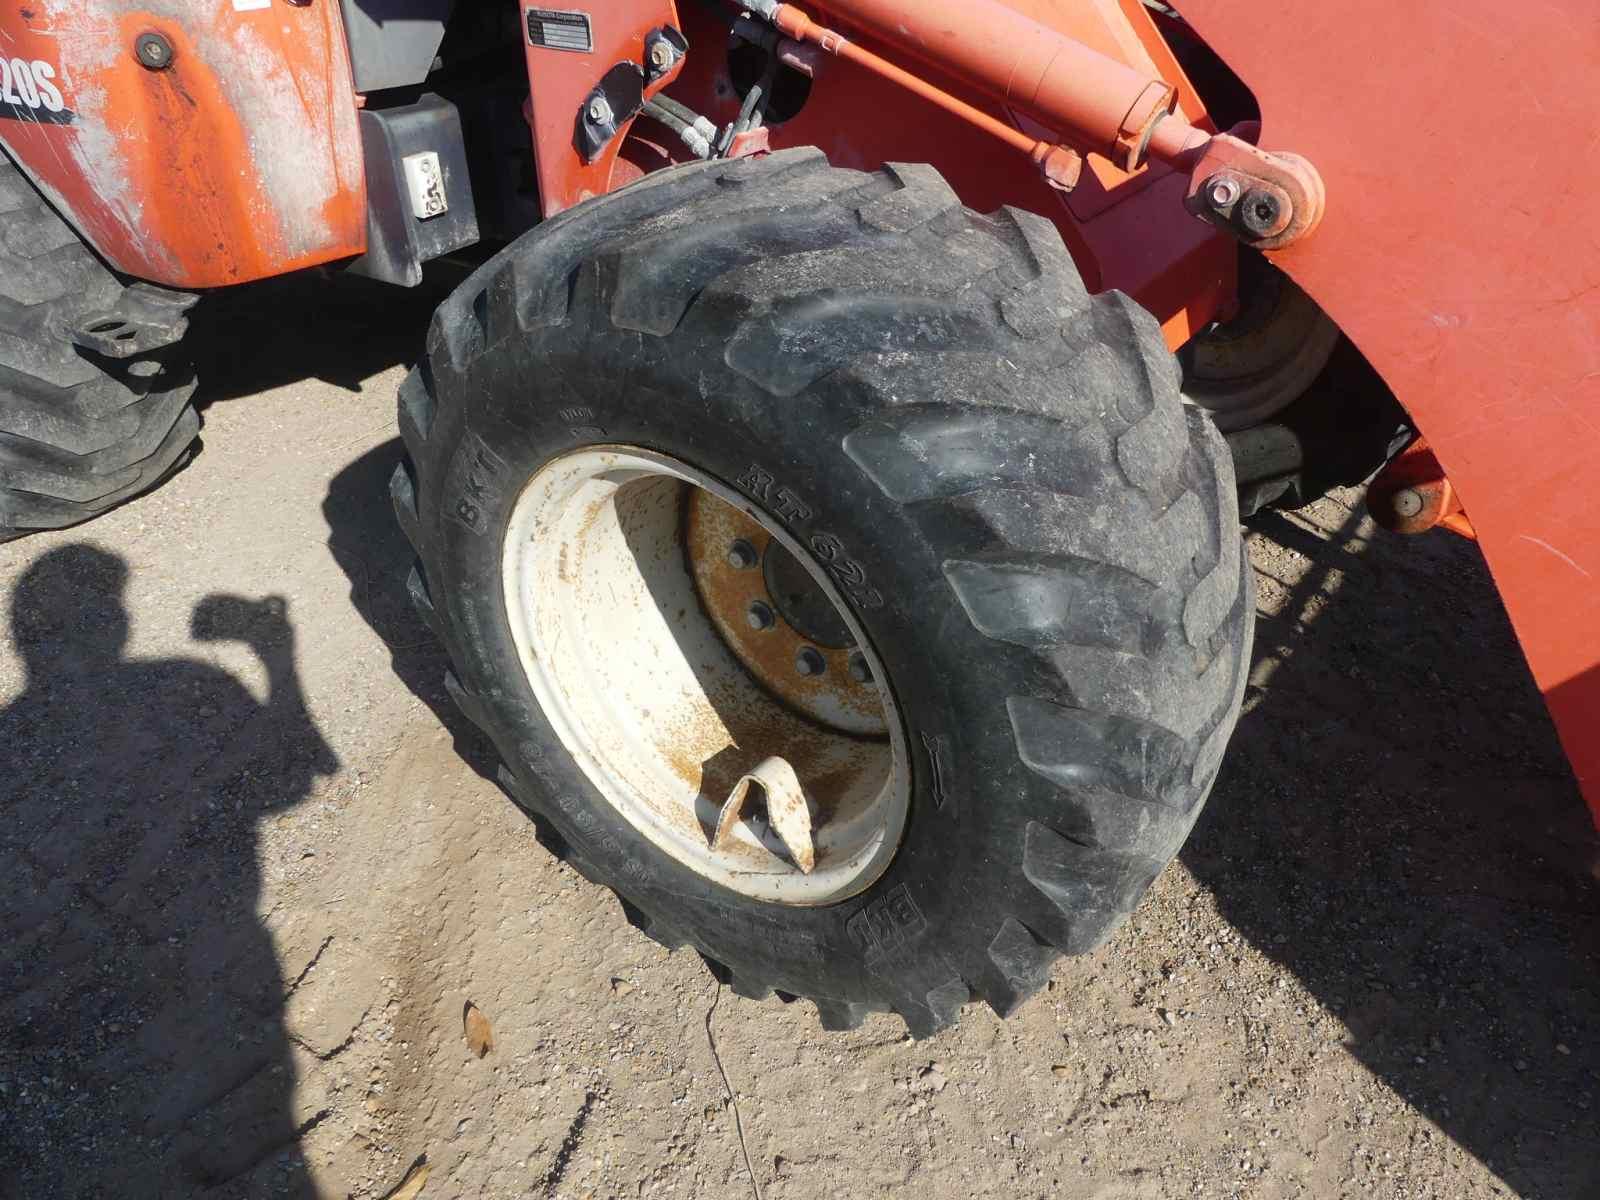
[{"x": 831, "y": 695}]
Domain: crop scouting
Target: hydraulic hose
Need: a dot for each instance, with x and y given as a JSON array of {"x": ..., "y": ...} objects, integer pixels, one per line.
[{"x": 692, "y": 130}]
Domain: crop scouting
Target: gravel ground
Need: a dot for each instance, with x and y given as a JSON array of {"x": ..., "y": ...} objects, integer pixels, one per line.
[{"x": 254, "y": 867}]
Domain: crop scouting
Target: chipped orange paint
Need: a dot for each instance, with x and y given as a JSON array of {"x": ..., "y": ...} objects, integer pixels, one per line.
[{"x": 240, "y": 160}]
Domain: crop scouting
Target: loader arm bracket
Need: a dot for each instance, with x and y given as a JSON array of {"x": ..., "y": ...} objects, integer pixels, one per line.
[
  {"x": 1265, "y": 200},
  {"x": 615, "y": 101}
]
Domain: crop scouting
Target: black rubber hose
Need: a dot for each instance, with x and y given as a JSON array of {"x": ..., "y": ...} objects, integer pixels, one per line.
[
  {"x": 752, "y": 99},
  {"x": 696, "y": 139},
  {"x": 682, "y": 111},
  {"x": 659, "y": 112}
]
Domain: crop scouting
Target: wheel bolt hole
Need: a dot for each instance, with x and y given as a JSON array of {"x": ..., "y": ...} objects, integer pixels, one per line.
[
  {"x": 809, "y": 661},
  {"x": 860, "y": 669},
  {"x": 742, "y": 555},
  {"x": 760, "y": 616}
]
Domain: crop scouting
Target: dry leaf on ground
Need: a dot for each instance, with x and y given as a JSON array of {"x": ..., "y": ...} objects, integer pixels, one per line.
[
  {"x": 480, "y": 1038},
  {"x": 411, "y": 1185}
]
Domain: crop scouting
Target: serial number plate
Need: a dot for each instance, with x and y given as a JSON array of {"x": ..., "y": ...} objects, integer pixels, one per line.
[{"x": 558, "y": 30}]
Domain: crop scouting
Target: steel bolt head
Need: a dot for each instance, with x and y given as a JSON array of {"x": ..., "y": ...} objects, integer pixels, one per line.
[
  {"x": 599, "y": 110},
  {"x": 1222, "y": 192},
  {"x": 1260, "y": 212},
  {"x": 809, "y": 661},
  {"x": 760, "y": 616},
  {"x": 661, "y": 55},
  {"x": 860, "y": 669},
  {"x": 742, "y": 555},
  {"x": 1407, "y": 502},
  {"x": 153, "y": 51}
]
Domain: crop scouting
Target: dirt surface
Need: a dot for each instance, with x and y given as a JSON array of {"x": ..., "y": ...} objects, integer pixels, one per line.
[{"x": 253, "y": 868}]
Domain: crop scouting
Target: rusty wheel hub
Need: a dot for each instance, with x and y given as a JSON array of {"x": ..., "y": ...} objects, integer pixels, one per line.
[
  {"x": 703, "y": 672},
  {"x": 778, "y": 619}
]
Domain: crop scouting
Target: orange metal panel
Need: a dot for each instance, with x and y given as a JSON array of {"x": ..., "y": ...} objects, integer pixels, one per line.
[
  {"x": 1460, "y": 144},
  {"x": 238, "y": 160},
  {"x": 562, "y": 79}
]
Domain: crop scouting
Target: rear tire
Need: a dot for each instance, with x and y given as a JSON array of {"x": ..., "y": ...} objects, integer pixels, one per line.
[
  {"x": 80, "y": 431},
  {"x": 1048, "y": 546}
]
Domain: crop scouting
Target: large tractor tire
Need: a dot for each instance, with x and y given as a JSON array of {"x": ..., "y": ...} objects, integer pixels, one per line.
[
  {"x": 93, "y": 407},
  {"x": 769, "y": 469}
]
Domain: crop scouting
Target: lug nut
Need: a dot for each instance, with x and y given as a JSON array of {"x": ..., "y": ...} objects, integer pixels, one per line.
[
  {"x": 860, "y": 670},
  {"x": 599, "y": 110},
  {"x": 760, "y": 616},
  {"x": 810, "y": 661},
  {"x": 742, "y": 555}
]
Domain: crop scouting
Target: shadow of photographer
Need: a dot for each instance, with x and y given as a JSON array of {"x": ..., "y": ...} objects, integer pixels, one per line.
[{"x": 144, "y": 1051}]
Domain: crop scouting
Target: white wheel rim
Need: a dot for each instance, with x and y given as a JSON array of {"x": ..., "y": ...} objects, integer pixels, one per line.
[{"x": 654, "y": 706}]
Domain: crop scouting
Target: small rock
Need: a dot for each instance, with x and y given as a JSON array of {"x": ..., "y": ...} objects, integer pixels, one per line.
[
  {"x": 929, "y": 1079},
  {"x": 1563, "y": 1048},
  {"x": 1520, "y": 1065}
]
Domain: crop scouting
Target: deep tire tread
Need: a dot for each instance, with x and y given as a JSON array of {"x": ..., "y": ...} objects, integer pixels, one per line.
[{"x": 77, "y": 435}]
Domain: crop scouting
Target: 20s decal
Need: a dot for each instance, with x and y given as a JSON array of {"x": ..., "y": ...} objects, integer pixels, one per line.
[{"x": 28, "y": 92}]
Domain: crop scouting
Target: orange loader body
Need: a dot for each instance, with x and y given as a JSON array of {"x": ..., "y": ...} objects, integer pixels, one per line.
[
  {"x": 200, "y": 145},
  {"x": 239, "y": 160}
]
